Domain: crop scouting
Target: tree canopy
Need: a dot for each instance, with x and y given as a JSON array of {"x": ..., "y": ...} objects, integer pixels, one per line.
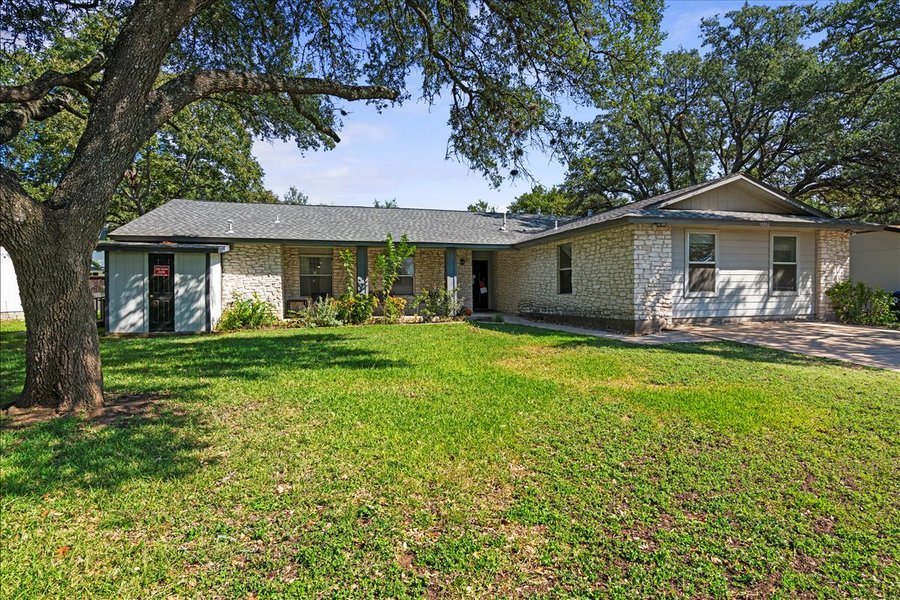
[{"x": 819, "y": 120}]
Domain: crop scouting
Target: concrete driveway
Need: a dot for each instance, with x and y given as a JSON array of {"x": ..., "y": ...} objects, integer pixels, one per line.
[{"x": 870, "y": 346}]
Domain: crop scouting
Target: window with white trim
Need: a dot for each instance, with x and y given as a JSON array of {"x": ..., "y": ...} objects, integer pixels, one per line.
[
  {"x": 404, "y": 284},
  {"x": 565, "y": 269},
  {"x": 315, "y": 276},
  {"x": 701, "y": 263},
  {"x": 784, "y": 263}
]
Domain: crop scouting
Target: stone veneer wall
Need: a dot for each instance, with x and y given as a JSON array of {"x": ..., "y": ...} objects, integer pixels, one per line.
[
  {"x": 652, "y": 277},
  {"x": 250, "y": 268},
  {"x": 464, "y": 276},
  {"x": 832, "y": 266},
  {"x": 602, "y": 278}
]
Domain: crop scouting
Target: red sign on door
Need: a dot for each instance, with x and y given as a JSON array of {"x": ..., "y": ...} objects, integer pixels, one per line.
[{"x": 160, "y": 270}]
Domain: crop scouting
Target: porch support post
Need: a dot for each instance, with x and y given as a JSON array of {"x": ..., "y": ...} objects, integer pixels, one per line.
[
  {"x": 362, "y": 269},
  {"x": 450, "y": 268}
]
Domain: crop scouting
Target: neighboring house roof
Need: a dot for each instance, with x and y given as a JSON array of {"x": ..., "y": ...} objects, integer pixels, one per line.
[{"x": 215, "y": 222}]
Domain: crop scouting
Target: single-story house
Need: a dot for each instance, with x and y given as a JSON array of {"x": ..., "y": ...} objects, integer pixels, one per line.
[
  {"x": 875, "y": 258},
  {"x": 731, "y": 248}
]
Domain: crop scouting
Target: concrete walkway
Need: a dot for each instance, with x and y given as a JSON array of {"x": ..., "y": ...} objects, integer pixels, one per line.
[
  {"x": 655, "y": 339},
  {"x": 869, "y": 346}
]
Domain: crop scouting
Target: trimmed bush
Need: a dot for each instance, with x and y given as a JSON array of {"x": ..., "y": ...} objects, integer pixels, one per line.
[
  {"x": 247, "y": 313},
  {"x": 857, "y": 303},
  {"x": 324, "y": 312},
  {"x": 356, "y": 309},
  {"x": 393, "y": 307},
  {"x": 438, "y": 303}
]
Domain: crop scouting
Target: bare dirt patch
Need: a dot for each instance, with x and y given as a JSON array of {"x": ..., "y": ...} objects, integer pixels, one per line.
[{"x": 116, "y": 410}]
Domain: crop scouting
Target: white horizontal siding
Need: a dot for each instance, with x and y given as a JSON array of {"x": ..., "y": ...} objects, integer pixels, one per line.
[
  {"x": 190, "y": 292},
  {"x": 742, "y": 277},
  {"x": 127, "y": 293}
]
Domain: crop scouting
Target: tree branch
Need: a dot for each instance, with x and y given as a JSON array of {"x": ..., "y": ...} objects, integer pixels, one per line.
[
  {"x": 314, "y": 119},
  {"x": 13, "y": 121},
  {"x": 19, "y": 212},
  {"x": 181, "y": 91},
  {"x": 44, "y": 84}
]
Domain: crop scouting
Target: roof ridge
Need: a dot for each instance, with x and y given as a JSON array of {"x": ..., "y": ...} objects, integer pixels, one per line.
[{"x": 284, "y": 204}]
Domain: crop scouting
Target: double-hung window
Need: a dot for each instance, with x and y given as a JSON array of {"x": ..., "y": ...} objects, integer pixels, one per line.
[
  {"x": 404, "y": 284},
  {"x": 565, "y": 268},
  {"x": 784, "y": 263},
  {"x": 701, "y": 264},
  {"x": 315, "y": 276}
]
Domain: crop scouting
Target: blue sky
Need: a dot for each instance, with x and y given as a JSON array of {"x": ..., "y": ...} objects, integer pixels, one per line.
[{"x": 400, "y": 152}]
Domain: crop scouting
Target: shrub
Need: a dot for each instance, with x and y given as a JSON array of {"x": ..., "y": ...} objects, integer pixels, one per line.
[
  {"x": 393, "y": 308},
  {"x": 857, "y": 303},
  {"x": 438, "y": 303},
  {"x": 355, "y": 309},
  {"x": 321, "y": 313},
  {"x": 498, "y": 318},
  {"x": 388, "y": 263},
  {"x": 247, "y": 313}
]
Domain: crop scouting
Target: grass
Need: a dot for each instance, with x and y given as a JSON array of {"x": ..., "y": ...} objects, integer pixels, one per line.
[{"x": 457, "y": 460}]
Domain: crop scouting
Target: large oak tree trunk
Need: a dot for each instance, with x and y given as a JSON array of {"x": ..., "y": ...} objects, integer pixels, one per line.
[{"x": 62, "y": 348}]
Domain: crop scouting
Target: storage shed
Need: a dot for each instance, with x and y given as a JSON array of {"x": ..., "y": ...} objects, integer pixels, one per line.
[{"x": 162, "y": 287}]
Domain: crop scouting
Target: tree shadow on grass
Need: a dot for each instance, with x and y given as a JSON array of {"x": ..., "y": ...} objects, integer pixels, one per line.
[
  {"x": 68, "y": 452},
  {"x": 181, "y": 365},
  {"x": 716, "y": 348}
]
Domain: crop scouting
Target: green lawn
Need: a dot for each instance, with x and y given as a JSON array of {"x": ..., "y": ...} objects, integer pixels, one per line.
[{"x": 461, "y": 460}]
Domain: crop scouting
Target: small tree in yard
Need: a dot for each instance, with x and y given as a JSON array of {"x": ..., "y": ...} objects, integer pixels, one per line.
[
  {"x": 125, "y": 70},
  {"x": 387, "y": 271}
]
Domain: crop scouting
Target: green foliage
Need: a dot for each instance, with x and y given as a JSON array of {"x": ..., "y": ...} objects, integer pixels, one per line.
[
  {"x": 355, "y": 308},
  {"x": 348, "y": 262},
  {"x": 393, "y": 307},
  {"x": 295, "y": 196},
  {"x": 817, "y": 120},
  {"x": 857, "y": 303},
  {"x": 247, "y": 313},
  {"x": 388, "y": 262},
  {"x": 540, "y": 200},
  {"x": 438, "y": 303},
  {"x": 481, "y": 206},
  {"x": 324, "y": 312},
  {"x": 205, "y": 152},
  {"x": 389, "y": 203}
]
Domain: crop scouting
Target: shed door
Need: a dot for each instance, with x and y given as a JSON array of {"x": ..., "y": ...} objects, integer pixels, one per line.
[{"x": 162, "y": 292}]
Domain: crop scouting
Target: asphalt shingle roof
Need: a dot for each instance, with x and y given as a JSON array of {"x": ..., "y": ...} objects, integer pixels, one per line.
[
  {"x": 196, "y": 221},
  {"x": 185, "y": 220}
]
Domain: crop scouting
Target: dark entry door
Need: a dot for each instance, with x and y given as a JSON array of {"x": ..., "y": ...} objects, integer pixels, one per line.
[
  {"x": 480, "y": 285},
  {"x": 162, "y": 292}
]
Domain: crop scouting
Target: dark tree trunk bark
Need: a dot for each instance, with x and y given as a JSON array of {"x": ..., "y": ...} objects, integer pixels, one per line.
[{"x": 62, "y": 348}]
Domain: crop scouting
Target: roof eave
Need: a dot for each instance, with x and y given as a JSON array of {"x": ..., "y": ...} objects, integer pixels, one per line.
[
  {"x": 829, "y": 224},
  {"x": 295, "y": 242}
]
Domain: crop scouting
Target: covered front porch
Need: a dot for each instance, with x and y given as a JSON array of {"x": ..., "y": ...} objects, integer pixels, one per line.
[{"x": 292, "y": 276}]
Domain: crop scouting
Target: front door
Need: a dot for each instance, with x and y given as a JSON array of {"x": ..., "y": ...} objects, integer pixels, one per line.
[
  {"x": 480, "y": 285},
  {"x": 162, "y": 292}
]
